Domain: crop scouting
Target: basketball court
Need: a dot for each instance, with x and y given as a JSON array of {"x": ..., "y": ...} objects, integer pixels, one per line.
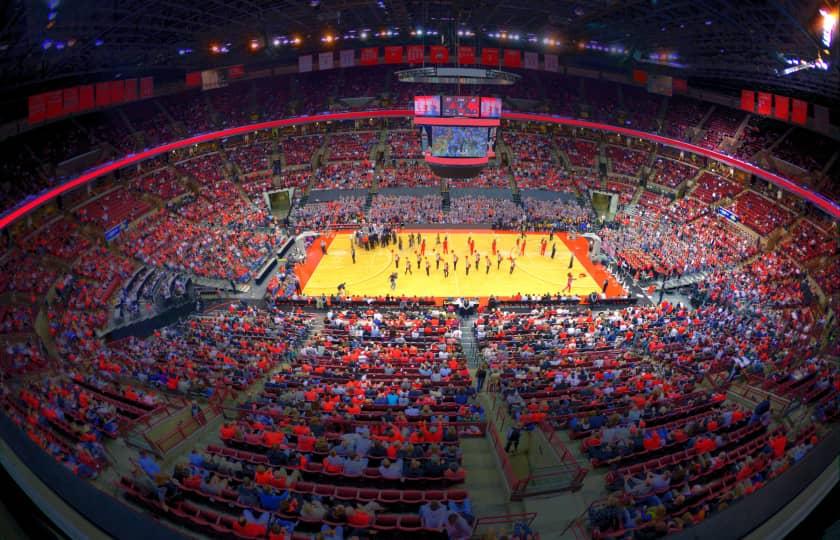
[{"x": 533, "y": 273}]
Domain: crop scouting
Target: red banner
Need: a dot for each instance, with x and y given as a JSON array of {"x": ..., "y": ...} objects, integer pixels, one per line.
[
  {"x": 640, "y": 76},
  {"x": 765, "y": 103},
  {"x": 748, "y": 100},
  {"x": 55, "y": 105},
  {"x": 369, "y": 56},
  {"x": 70, "y": 99},
  {"x": 680, "y": 85},
  {"x": 490, "y": 57},
  {"x": 799, "y": 111},
  {"x": 86, "y": 101},
  {"x": 394, "y": 54},
  {"x": 513, "y": 58},
  {"x": 439, "y": 54},
  {"x": 147, "y": 87},
  {"x": 236, "y": 72},
  {"x": 37, "y": 108},
  {"x": 193, "y": 79},
  {"x": 117, "y": 92},
  {"x": 130, "y": 89},
  {"x": 466, "y": 55},
  {"x": 782, "y": 108},
  {"x": 414, "y": 54}
]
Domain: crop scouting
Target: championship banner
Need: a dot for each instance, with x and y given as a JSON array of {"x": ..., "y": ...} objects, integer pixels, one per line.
[
  {"x": 347, "y": 58},
  {"x": 640, "y": 76},
  {"x": 765, "y": 103},
  {"x": 55, "y": 104},
  {"x": 236, "y": 72},
  {"x": 130, "y": 89},
  {"x": 326, "y": 60},
  {"x": 394, "y": 54},
  {"x": 37, "y": 108},
  {"x": 147, "y": 87},
  {"x": 782, "y": 109},
  {"x": 414, "y": 54},
  {"x": 513, "y": 58},
  {"x": 748, "y": 100},
  {"x": 532, "y": 60},
  {"x": 439, "y": 54},
  {"x": 103, "y": 94},
  {"x": 370, "y": 56},
  {"x": 305, "y": 63},
  {"x": 660, "y": 84},
  {"x": 490, "y": 57},
  {"x": 552, "y": 62},
  {"x": 799, "y": 111},
  {"x": 466, "y": 55},
  {"x": 681, "y": 86},
  {"x": 193, "y": 78},
  {"x": 86, "y": 100},
  {"x": 117, "y": 92},
  {"x": 71, "y": 100}
]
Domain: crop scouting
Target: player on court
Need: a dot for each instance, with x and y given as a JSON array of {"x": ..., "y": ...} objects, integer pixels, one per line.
[
  {"x": 522, "y": 248},
  {"x": 569, "y": 282}
]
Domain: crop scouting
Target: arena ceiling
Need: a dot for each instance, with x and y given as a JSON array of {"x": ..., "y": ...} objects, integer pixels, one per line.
[{"x": 730, "y": 43}]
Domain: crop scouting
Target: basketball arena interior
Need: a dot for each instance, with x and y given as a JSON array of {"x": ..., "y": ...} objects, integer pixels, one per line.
[{"x": 333, "y": 269}]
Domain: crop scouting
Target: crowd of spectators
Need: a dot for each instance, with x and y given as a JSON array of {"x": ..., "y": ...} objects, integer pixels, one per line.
[
  {"x": 711, "y": 188},
  {"x": 582, "y": 153},
  {"x": 669, "y": 173},
  {"x": 405, "y": 145},
  {"x": 625, "y": 161},
  {"x": 344, "y": 175},
  {"x": 477, "y": 209},
  {"x": 408, "y": 174},
  {"x": 396, "y": 210},
  {"x": 325, "y": 215},
  {"x": 759, "y": 213},
  {"x": 722, "y": 123},
  {"x": 352, "y": 146}
]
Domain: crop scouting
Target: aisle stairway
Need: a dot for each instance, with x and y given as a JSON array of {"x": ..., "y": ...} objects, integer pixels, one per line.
[{"x": 468, "y": 341}]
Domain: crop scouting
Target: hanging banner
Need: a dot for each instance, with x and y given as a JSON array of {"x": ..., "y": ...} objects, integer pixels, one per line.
[
  {"x": 681, "y": 86},
  {"x": 439, "y": 54},
  {"x": 236, "y": 72},
  {"x": 765, "y": 103},
  {"x": 130, "y": 89},
  {"x": 86, "y": 100},
  {"x": 394, "y": 54},
  {"x": 513, "y": 58},
  {"x": 466, "y": 55},
  {"x": 70, "y": 100},
  {"x": 55, "y": 104},
  {"x": 370, "y": 56},
  {"x": 799, "y": 111},
  {"x": 490, "y": 57},
  {"x": 147, "y": 87},
  {"x": 782, "y": 108},
  {"x": 103, "y": 94},
  {"x": 117, "y": 92},
  {"x": 552, "y": 62},
  {"x": 193, "y": 79},
  {"x": 347, "y": 58},
  {"x": 305, "y": 63},
  {"x": 326, "y": 60},
  {"x": 660, "y": 84},
  {"x": 640, "y": 76},
  {"x": 37, "y": 108},
  {"x": 748, "y": 100},
  {"x": 532, "y": 60},
  {"x": 414, "y": 54}
]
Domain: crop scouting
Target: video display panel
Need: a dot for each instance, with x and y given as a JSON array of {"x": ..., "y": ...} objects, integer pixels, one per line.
[
  {"x": 459, "y": 141},
  {"x": 461, "y": 106},
  {"x": 427, "y": 105},
  {"x": 491, "y": 107}
]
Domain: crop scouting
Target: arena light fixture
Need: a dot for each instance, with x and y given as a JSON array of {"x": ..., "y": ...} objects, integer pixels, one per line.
[{"x": 829, "y": 25}]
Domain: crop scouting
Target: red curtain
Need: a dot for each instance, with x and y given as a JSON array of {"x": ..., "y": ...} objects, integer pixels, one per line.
[
  {"x": 439, "y": 54},
  {"x": 765, "y": 103},
  {"x": 86, "y": 101},
  {"x": 466, "y": 55},
  {"x": 369, "y": 56},
  {"x": 799, "y": 111},
  {"x": 414, "y": 54},
  {"x": 748, "y": 100},
  {"x": 37, "y": 108},
  {"x": 71, "y": 100},
  {"x": 782, "y": 109},
  {"x": 513, "y": 58},
  {"x": 490, "y": 57},
  {"x": 394, "y": 54}
]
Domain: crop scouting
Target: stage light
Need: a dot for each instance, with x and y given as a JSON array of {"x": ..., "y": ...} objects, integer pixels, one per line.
[
  {"x": 829, "y": 23},
  {"x": 215, "y": 48},
  {"x": 98, "y": 43},
  {"x": 47, "y": 43},
  {"x": 254, "y": 45},
  {"x": 276, "y": 42},
  {"x": 297, "y": 40},
  {"x": 363, "y": 35}
]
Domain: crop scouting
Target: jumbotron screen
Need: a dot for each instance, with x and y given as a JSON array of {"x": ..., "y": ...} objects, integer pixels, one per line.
[
  {"x": 457, "y": 106},
  {"x": 465, "y": 106},
  {"x": 459, "y": 141},
  {"x": 427, "y": 105}
]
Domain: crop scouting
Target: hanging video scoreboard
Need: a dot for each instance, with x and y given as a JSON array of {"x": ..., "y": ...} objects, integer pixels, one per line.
[{"x": 457, "y": 131}]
